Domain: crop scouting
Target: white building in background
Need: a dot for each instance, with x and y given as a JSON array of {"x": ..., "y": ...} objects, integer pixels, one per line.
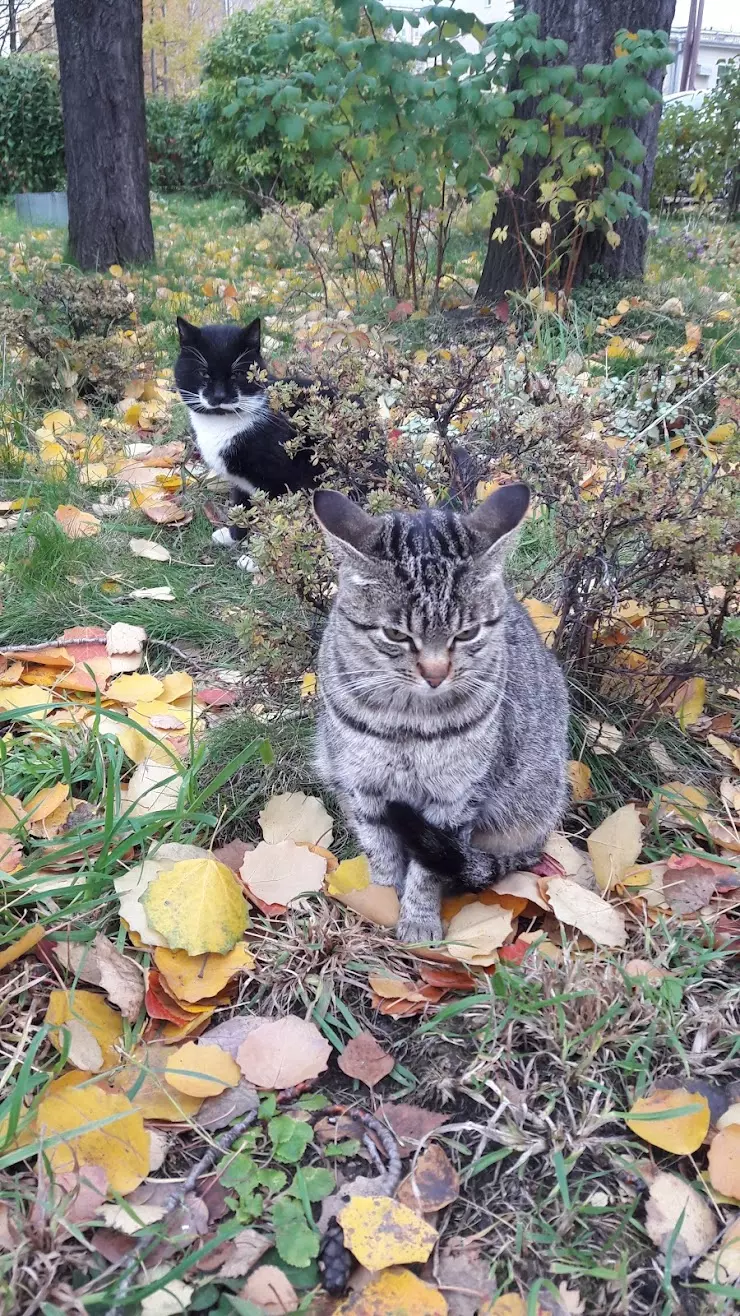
[{"x": 715, "y": 47}]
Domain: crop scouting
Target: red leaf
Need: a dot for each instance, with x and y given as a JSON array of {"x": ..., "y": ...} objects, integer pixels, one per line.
[
  {"x": 401, "y": 311},
  {"x": 161, "y": 1006},
  {"x": 514, "y": 954},
  {"x": 501, "y": 311},
  {"x": 548, "y": 867},
  {"x": 216, "y": 698},
  {"x": 365, "y": 1059}
]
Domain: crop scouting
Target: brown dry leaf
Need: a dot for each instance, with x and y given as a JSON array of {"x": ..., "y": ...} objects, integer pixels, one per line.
[
  {"x": 229, "y": 1105},
  {"x": 409, "y": 1123},
  {"x": 653, "y": 973},
  {"x": 476, "y": 932},
  {"x": 244, "y": 1251},
  {"x": 377, "y": 904},
  {"x": 152, "y": 1095},
  {"x": 722, "y": 1266},
  {"x": 232, "y": 1032},
  {"x": 381, "y": 1232},
  {"x": 673, "y": 1119},
  {"x": 79, "y": 1195},
  {"x": 75, "y": 523},
  {"x": 724, "y": 1161},
  {"x": 119, "y": 1147},
  {"x": 569, "y": 861},
  {"x": 121, "y": 978},
  {"x": 603, "y": 923},
  {"x": 603, "y": 737},
  {"x": 394, "y": 989},
  {"x": 727, "y": 750},
  {"x": 615, "y": 846},
  {"x": 525, "y": 885},
  {"x": 271, "y": 1291},
  {"x": 462, "y": 1274},
  {"x": 232, "y": 854},
  {"x": 281, "y": 872},
  {"x": 84, "y": 1051},
  {"x": 282, "y": 1052},
  {"x": 365, "y": 1059},
  {"x": 646, "y": 881},
  {"x": 198, "y": 977},
  {"x": 670, "y": 1199},
  {"x": 395, "y": 1292},
  {"x": 432, "y": 1184},
  {"x": 296, "y": 817},
  {"x": 690, "y": 883}
]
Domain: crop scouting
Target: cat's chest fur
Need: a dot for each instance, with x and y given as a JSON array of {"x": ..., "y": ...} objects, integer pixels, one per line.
[{"x": 217, "y": 437}]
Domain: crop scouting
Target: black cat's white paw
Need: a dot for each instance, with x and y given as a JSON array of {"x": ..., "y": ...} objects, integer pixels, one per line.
[{"x": 223, "y": 537}]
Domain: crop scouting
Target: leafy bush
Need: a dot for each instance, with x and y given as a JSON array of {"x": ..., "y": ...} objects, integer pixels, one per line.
[
  {"x": 31, "y": 131},
  {"x": 178, "y": 158},
  {"x": 425, "y": 126},
  {"x": 698, "y": 150},
  {"x": 251, "y": 150}
]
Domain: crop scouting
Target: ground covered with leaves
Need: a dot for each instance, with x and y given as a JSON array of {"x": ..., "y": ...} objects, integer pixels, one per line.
[{"x": 224, "y": 1086}]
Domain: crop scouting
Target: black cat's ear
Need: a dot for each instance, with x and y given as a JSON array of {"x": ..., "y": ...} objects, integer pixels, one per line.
[
  {"x": 252, "y": 336},
  {"x": 495, "y": 522},
  {"x": 344, "y": 523},
  {"x": 189, "y": 333}
]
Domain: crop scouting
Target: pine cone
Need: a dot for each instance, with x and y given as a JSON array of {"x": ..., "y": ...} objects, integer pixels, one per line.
[{"x": 335, "y": 1260}]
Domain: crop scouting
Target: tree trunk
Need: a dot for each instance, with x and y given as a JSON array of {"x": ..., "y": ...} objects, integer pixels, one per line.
[
  {"x": 102, "y": 82},
  {"x": 589, "y": 27}
]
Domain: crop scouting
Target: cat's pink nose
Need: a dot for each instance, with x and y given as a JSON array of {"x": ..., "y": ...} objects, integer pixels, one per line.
[{"x": 434, "y": 670}]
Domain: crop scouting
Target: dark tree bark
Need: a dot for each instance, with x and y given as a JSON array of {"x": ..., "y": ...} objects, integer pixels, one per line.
[
  {"x": 589, "y": 27},
  {"x": 102, "y": 81}
]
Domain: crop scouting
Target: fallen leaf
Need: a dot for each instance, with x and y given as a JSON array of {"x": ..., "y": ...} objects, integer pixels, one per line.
[
  {"x": 509, "y": 1304},
  {"x": 120, "y": 1146},
  {"x": 653, "y": 973},
  {"x": 231, "y": 1104},
  {"x": 724, "y": 1161},
  {"x": 449, "y": 976},
  {"x": 730, "y": 1116},
  {"x": 395, "y": 1292},
  {"x": 201, "y": 1071},
  {"x": 145, "y": 1078},
  {"x": 121, "y": 978},
  {"x": 84, "y": 1051},
  {"x": 23, "y": 944},
  {"x": 652, "y": 1119},
  {"x": 690, "y": 883},
  {"x": 233, "y": 1032},
  {"x": 153, "y": 788},
  {"x": 277, "y": 874},
  {"x": 130, "y": 1218},
  {"x": 378, "y": 904},
  {"x": 688, "y": 701},
  {"x": 381, "y": 1232},
  {"x": 432, "y": 1184},
  {"x": 271, "y": 1291},
  {"x": 603, "y": 923},
  {"x": 365, "y": 1059},
  {"x": 45, "y": 802},
  {"x": 722, "y": 1266},
  {"x": 615, "y": 846},
  {"x": 75, "y": 523},
  {"x": 579, "y": 775},
  {"x": 135, "y": 688},
  {"x": 545, "y": 619},
  {"x": 727, "y": 750},
  {"x": 410, "y": 1124},
  {"x": 524, "y": 885},
  {"x": 561, "y": 858},
  {"x": 79, "y": 1195},
  {"x": 159, "y": 593},
  {"x": 676, "y": 1216},
  {"x": 350, "y": 875},
  {"x": 197, "y": 977},
  {"x": 280, "y": 1053},
  {"x": 476, "y": 932},
  {"x": 172, "y": 1299},
  {"x": 241, "y": 1254},
  {"x": 680, "y": 803},
  {"x": 93, "y": 1011},
  {"x": 463, "y": 1276},
  {"x": 232, "y": 854},
  {"x": 149, "y": 548},
  {"x": 296, "y": 817},
  {"x": 197, "y": 906}
]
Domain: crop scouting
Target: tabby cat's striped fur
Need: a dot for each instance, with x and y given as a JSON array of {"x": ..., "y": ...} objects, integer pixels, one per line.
[{"x": 443, "y": 717}]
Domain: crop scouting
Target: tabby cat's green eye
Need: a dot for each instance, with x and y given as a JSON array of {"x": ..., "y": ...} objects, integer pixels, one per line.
[
  {"x": 396, "y": 637},
  {"x": 470, "y": 633}
]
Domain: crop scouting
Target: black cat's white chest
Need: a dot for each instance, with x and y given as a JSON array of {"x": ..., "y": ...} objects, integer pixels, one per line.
[{"x": 216, "y": 435}]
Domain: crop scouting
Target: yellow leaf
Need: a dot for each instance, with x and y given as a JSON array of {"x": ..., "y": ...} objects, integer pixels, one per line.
[
  {"x": 544, "y": 618},
  {"x": 132, "y": 414},
  {"x": 623, "y": 306},
  {"x": 615, "y": 845},
  {"x": 579, "y": 774},
  {"x": 152, "y": 1095},
  {"x": 75, "y": 523},
  {"x": 176, "y": 685},
  {"x": 652, "y": 1118},
  {"x": 57, "y": 421},
  {"x": 120, "y": 1146},
  {"x": 688, "y": 701},
  {"x": 308, "y": 685},
  {"x": 132, "y": 688},
  {"x": 727, "y": 750},
  {"x": 509, "y": 1304},
  {"x": 351, "y": 875},
  {"x": 197, "y": 906},
  {"x": 484, "y": 489},
  {"x": 26, "y": 698},
  {"x": 618, "y": 349},
  {"x": 115, "y": 270},
  {"x": 195, "y": 978},
  {"x": 45, "y": 801},
  {"x": 278, "y": 874},
  {"x": 94, "y": 473},
  {"x": 202, "y": 1071},
  {"x": 296, "y": 817},
  {"x": 721, "y": 433},
  {"x": 91, "y": 1010},
  {"x": 381, "y": 1232},
  {"x": 395, "y": 1292}
]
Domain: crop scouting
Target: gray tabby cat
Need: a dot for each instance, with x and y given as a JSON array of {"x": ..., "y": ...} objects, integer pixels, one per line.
[{"x": 443, "y": 718}]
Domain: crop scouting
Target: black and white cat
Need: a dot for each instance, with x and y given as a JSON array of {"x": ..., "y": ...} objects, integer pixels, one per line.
[{"x": 238, "y": 435}]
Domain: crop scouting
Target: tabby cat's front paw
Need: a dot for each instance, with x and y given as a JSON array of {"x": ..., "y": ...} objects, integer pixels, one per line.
[{"x": 414, "y": 929}]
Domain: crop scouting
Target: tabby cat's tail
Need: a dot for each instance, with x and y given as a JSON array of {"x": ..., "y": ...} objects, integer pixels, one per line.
[{"x": 432, "y": 847}]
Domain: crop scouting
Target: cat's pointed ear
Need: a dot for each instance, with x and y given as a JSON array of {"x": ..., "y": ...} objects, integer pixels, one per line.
[
  {"x": 497, "y": 519},
  {"x": 189, "y": 333},
  {"x": 344, "y": 523},
  {"x": 252, "y": 336}
]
